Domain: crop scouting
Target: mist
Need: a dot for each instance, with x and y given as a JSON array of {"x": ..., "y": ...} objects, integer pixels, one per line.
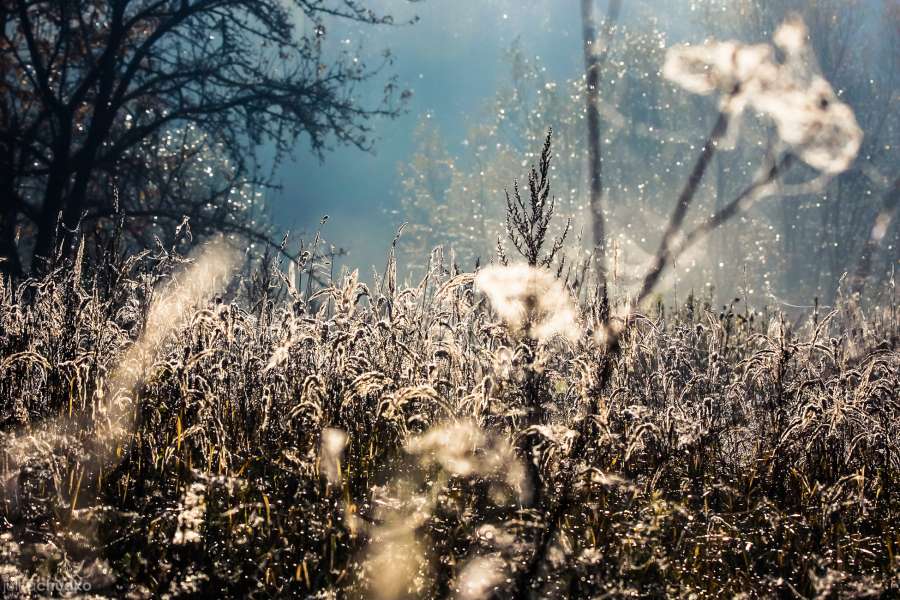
[
  {"x": 458, "y": 62},
  {"x": 452, "y": 61}
]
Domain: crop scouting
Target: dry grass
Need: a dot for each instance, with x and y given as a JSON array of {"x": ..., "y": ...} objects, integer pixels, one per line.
[{"x": 378, "y": 441}]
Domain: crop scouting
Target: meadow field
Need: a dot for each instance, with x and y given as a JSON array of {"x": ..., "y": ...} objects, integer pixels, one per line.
[{"x": 171, "y": 429}]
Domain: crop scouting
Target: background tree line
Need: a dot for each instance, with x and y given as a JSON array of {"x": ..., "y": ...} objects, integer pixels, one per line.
[{"x": 796, "y": 245}]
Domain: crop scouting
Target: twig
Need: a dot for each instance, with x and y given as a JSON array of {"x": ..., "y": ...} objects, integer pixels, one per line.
[{"x": 663, "y": 253}]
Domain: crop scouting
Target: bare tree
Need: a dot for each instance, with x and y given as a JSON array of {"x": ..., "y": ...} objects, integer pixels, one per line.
[{"x": 85, "y": 85}]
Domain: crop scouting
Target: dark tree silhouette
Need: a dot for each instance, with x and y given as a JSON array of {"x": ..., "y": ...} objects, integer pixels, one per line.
[{"x": 94, "y": 92}]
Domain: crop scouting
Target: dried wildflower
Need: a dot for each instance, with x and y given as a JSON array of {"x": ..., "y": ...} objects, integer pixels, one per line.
[
  {"x": 724, "y": 67},
  {"x": 807, "y": 113},
  {"x": 530, "y": 300},
  {"x": 465, "y": 450}
]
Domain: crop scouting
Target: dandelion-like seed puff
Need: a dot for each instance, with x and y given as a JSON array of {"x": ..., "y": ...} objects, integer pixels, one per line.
[
  {"x": 333, "y": 443},
  {"x": 479, "y": 577},
  {"x": 530, "y": 300},
  {"x": 808, "y": 115}
]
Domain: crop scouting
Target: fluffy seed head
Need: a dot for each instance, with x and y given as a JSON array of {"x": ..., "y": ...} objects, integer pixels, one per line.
[{"x": 530, "y": 300}]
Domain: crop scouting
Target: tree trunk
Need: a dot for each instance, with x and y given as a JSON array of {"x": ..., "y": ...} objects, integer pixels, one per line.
[
  {"x": 52, "y": 206},
  {"x": 10, "y": 263},
  {"x": 77, "y": 197},
  {"x": 61, "y": 198}
]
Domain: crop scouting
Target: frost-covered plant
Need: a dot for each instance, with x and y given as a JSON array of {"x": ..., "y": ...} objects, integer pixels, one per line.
[
  {"x": 463, "y": 475},
  {"x": 527, "y": 222},
  {"x": 709, "y": 440},
  {"x": 814, "y": 124}
]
